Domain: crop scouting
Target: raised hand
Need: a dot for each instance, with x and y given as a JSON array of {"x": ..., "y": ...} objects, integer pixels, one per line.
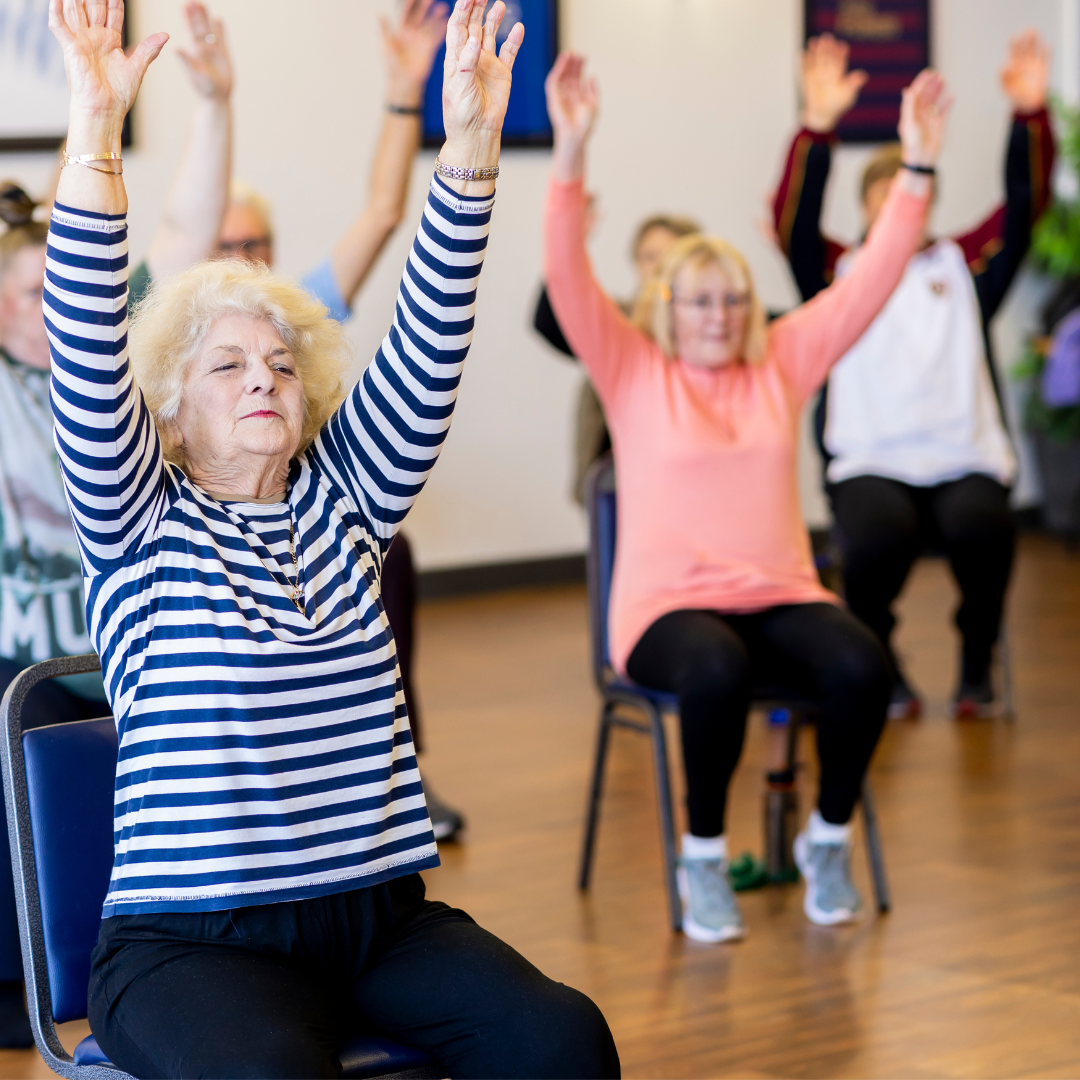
[
  {"x": 102, "y": 81},
  {"x": 828, "y": 88},
  {"x": 572, "y": 100},
  {"x": 411, "y": 46},
  {"x": 923, "y": 109},
  {"x": 1026, "y": 74},
  {"x": 476, "y": 79},
  {"x": 207, "y": 60}
]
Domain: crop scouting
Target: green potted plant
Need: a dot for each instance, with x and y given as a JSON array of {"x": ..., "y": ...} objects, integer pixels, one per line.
[{"x": 1055, "y": 429}]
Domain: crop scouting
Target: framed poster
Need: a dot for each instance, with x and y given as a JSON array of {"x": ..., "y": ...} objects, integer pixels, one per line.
[
  {"x": 33, "y": 86},
  {"x": 889, "y": 39},
  {"x": 526, "y": 114}
]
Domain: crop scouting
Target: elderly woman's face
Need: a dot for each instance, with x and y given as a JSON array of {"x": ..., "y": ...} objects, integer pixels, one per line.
[
  {"x": 710, "y": 316},
  {"x": 242, "y": 399}
]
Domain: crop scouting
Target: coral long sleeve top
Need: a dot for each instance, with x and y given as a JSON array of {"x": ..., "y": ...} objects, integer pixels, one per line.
[{"x": 709, "y": 514}]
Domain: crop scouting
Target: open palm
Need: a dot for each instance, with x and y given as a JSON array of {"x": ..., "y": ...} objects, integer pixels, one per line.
[
  {"x": 572, "y": 100},
  {"x": 828, "y": 88},
  {"x": 101, "y": 79},
  {"x": 411, "y": 45},
  {"x": 476, "y": 79}
]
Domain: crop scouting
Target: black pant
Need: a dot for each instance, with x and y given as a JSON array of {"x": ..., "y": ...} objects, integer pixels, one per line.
[
  {"x": 713, "y": 662},
  {"x": 48, "y": 703},
  {"x": 885, "y": 525},
  {"x": 275, "y": 991}
]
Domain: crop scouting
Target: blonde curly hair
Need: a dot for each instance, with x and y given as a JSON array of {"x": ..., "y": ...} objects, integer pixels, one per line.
[
  {"x": 652, "y": 313},
  {"x": 170, "y": 324}
]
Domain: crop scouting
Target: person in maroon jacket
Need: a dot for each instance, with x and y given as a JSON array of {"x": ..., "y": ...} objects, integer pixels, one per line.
[{"x": 910, "y": 424}]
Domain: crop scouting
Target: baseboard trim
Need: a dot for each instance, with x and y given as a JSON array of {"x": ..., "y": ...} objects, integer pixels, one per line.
[{"x": 495, "y": 577}]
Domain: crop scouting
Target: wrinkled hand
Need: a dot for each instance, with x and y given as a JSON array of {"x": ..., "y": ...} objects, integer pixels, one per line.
[
  {"x": 923, "y": 111},
  {"x": 102, "y": 80},
  {"x": 207, "y": 60},
  {"x": 476, "y": 80},
  {"x": 411, "y": 46},
  {"x": 572, "y": 100},
  {"x": 828, "y": 88},
  {"x": 1026, "y": 74}
]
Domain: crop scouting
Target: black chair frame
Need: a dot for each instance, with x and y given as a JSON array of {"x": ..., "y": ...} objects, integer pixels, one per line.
[{"x": 620, "y": 694}]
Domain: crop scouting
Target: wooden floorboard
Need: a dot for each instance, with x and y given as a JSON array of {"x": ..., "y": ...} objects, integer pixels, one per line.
[{"x": 975, "y": 972}]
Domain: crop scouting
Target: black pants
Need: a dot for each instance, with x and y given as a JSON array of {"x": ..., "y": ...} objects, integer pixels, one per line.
[
  {"x": 275, "y": 990},
  {"x": 48, "y": 703},
  {"x": 713, "y": 662},
  {"x": 884, "y": 527}
]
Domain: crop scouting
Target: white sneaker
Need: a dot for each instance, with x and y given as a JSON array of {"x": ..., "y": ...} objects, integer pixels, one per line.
[
  {"x": 710, "y": 911},
  {"x": 831, "y": 896}
]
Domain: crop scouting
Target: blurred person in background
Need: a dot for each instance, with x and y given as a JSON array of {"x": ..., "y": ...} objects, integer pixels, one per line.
[
  {"x": 41, "y": 592},
  {"x": 714, "y": 589},
  {"x": 910, "y": 423}
]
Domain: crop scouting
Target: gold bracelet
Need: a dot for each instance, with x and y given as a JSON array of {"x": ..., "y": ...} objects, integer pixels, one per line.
[{"x": 85, "y": 159}]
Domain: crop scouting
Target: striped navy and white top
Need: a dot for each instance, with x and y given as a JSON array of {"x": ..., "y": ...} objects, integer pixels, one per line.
[{"x": 265, "y": 754}]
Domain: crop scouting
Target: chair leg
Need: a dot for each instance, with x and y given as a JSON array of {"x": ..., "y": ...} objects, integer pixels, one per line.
[
  {"x": 1004, "y": 656},
  {"x": 667, "y": 816},
  {"x": 592, "y": 812},
  {"x": 873, "y": 848}
]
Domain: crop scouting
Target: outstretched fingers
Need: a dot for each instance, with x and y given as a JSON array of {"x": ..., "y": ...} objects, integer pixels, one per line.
[
  {"x": 147, "y": 51},
  {"x": 508, "y": 52},
  {"x": 75, "y": 15},
  {"x": 457, "y": 32},
  {"x": 58, "y": 24},
  {"x": 491, "y": 25},
  {"x": 114, "y": 16}
]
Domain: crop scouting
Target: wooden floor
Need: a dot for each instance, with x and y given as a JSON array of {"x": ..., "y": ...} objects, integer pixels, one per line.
[{"x": 975, "y": 972}]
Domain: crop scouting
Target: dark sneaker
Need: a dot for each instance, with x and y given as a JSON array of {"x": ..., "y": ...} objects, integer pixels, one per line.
[
  {"x": 904, "y": 704},
  {"x": 831, "y": 896},
  {"x": 446, "y": 822},
  {"x": 974, "y": 700}
]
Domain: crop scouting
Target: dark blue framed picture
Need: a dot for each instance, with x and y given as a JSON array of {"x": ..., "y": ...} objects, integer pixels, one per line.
[
  {"x": 889, "y": 39},
  {"x": 526, "y": 115}
]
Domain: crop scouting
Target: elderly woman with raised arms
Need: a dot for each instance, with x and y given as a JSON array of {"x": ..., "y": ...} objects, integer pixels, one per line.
[
  {"x": 714, "y": 589},
  {"x": 233, "y": 507}
]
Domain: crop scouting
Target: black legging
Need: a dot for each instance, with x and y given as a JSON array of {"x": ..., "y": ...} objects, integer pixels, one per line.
[
  {"x": 885, "y": 525},
  {"x": 275, "y": 990},
  {"x": 713, "y": 662}
]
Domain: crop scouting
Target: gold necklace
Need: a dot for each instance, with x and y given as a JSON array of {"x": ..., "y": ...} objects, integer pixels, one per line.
[{"x": 296, "y": 596}]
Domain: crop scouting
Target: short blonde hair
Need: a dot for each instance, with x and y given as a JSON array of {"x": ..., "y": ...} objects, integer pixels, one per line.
[
  {"x": 171, "y": 322},
  {"x": 652, "y": 312},
  {"x": 884, "y": 165}
]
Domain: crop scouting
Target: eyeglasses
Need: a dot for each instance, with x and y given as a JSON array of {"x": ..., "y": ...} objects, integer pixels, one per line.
[
  {"x": 703, "y": 304},
  {"x": 255, "y": 247}
]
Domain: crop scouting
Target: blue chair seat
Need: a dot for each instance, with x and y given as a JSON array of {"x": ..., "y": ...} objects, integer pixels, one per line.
[{"x": 364, "y": 1056}]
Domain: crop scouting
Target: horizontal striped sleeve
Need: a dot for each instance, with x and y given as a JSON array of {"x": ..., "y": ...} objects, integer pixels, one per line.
[
  {"x": 105, "y": 436},
  {"x": 383, "y": 441}
]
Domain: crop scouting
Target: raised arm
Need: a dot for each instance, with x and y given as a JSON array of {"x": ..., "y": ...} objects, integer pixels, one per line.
[
  {"x": 410, "y": 49},
  {"x": 105, "y": 436},
  {"x": 828, "y": 91},
  {"x": 196, "y": 202},
  {"x": 383, "y": 441},
  {"x": 594, "y": 327},
  {"x": 995, "y": 248},
  {"x": 814, "y": 336}
]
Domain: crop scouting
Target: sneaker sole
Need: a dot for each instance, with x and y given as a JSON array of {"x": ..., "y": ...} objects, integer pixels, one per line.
[
  {"x": 695, "y": 931},
  {"x": 811, "y": 910}
]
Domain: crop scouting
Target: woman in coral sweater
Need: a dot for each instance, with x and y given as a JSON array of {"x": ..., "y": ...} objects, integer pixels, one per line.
[{"x": 714, "y": 588}]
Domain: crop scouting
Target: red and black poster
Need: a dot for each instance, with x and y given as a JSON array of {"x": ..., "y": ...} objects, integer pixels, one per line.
[{"x": 889, "y": 39}]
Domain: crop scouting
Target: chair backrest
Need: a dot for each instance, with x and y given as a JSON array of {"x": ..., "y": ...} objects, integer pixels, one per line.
[
  {"x": 600, "y": 561},
  {"x": 58, "y": 786}
]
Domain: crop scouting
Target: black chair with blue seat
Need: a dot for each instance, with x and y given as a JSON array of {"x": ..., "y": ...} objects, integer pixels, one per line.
[
  {"x": 58, "y": 787},
  {"x": 617, "y": 691}
]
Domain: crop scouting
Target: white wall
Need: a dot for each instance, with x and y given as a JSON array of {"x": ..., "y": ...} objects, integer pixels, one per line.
[{"x": 698, "y": 102}]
